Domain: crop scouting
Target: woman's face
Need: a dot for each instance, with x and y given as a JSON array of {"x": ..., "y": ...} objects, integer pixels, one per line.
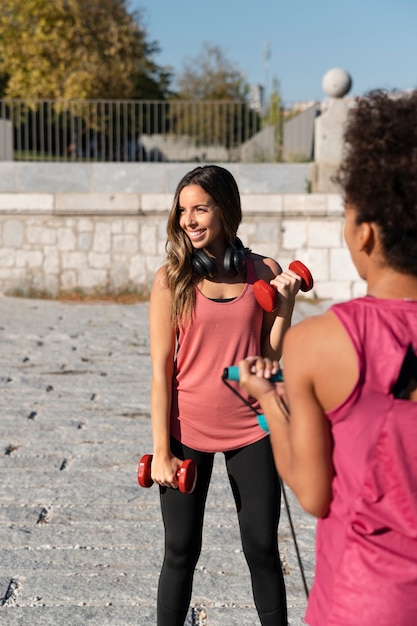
[{"x": 200, "y": 218}]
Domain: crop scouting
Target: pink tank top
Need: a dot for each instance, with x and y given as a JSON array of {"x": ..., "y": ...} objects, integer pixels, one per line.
[
  {"x": 366, "y": 547},
  {"x": 206, "y": 415}
]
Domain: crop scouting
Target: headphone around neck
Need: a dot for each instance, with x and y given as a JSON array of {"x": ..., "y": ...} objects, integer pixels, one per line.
[{"x": 234, "y": 261}]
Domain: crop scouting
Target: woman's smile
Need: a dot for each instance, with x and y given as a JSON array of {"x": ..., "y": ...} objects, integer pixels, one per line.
[{"x": 195, "y": 234}]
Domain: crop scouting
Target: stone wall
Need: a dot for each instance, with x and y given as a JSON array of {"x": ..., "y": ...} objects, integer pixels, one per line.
[{"x": 102, "y": 229}]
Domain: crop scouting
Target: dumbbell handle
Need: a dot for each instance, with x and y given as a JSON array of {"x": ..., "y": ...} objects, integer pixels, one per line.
[
  {"x": 232, "y": 373},
  {"x": 186, "y": 474},
  {"x": 266, "y": 294}
]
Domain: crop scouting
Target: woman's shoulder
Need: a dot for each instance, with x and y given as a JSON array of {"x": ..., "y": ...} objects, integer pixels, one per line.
[
  {"x": 160, "y": 283},
  {"x": 316, "y": 327},
  {"x": 318, "y": 352},
  {"x": 318, "y": 336},
  {"x": 160, "y": 278},
  {"x": 265, "y": 267}
]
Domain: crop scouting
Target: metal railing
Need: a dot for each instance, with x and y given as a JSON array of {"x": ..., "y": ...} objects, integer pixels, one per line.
[{"x": 129, "y": 130}]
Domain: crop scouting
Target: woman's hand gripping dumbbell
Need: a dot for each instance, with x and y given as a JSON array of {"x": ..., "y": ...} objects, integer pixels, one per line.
[
  {"x": 266, "y": 294},
  {"x": 186, "y": 474}
]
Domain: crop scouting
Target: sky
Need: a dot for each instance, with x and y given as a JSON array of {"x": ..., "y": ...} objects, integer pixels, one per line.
[{"x": 375, "y": 41}]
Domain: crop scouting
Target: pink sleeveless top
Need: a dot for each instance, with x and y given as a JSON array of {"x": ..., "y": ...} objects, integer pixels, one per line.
[
  {"x": 206, "y": 415},
  {"x": 366, "y": 547}
]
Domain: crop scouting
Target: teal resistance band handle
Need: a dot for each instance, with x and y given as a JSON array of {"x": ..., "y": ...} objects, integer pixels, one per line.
[{"x": 232, "y": 373}]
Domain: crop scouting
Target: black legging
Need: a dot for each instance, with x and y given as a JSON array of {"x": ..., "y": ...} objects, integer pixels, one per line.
[{"x": 257, "y": 495}]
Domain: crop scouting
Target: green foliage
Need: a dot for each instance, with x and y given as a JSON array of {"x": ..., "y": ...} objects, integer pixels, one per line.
[
  {"x": 77, "y": 49},
  {"x": 208, "y": 81},
  {"x": 211, "y": 76},
  {"x": 4, "y": 79},
  {"x": 274, "y": 116}
]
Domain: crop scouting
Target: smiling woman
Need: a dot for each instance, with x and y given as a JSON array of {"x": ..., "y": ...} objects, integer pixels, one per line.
[
  {"x": 203, "y": 317},
  {"x": 204, "y": 192}
]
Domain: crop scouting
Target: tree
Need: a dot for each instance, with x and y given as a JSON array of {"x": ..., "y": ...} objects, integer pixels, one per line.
[
  {"x": 77, "y": 49},
  {"x": 211, "y": 76},
  {"x": 274, "y": 116},
  {"x": 221, "y": 115}
]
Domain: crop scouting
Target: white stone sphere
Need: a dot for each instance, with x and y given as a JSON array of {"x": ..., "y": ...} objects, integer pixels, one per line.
[{"x": 336, "y": 83}]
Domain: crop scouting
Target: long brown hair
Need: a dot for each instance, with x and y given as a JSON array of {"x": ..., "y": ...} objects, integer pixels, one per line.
[{"x": 221, "y": 186}]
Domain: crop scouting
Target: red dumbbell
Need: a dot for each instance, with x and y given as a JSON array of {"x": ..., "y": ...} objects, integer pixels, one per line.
[
  {"x": 186, "y": 474},
  {"x": 266, "y": 294}
]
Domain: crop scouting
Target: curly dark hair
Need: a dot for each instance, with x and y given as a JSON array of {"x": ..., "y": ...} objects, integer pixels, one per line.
[{"x": 378, "y": 174}]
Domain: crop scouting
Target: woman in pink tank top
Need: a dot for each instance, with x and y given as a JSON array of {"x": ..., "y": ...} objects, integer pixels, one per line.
[
  {"x": 344, "y": 429},
  {"x": 203, "y": 318}
]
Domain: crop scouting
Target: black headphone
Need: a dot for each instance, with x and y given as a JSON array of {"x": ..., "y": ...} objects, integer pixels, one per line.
[{"x": 234, "y": 261}]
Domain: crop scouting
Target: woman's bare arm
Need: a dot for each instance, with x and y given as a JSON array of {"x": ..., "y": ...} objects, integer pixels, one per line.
[
  {"x": 162, "y": 342},
  {"x": 316, "y": 380},
  {"x": 276, "y": 323}
]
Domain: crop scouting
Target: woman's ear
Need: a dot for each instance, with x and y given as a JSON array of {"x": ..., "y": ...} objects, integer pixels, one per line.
[{"x": 366, "y": 237}]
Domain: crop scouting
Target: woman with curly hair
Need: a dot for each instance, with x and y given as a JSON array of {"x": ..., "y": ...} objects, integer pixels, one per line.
[
  {"x": 204, "y": 317},
  {"x": 344, "y": 428}
]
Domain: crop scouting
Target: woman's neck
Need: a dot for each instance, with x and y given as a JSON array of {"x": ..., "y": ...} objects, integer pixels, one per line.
[{"x": 392, "y": 285}]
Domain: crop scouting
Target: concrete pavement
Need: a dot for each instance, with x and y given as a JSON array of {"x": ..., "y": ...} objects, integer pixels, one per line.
[{"x": 80, "y": 542}]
